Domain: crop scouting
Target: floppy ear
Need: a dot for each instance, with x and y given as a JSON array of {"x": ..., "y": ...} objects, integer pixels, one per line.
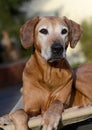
[
  {"x": 27, "y": 32},
  {"x": 75, "y": 32}
]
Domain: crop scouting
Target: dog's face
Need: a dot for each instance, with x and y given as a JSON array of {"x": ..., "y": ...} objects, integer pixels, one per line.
[{"x": 50, "y": 36}]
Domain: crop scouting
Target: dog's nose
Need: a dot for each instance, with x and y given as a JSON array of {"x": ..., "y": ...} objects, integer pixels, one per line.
[{"x": 57, "y": 48}]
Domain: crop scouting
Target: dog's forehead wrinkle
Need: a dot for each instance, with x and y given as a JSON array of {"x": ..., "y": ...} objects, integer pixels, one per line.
[{"x": 47, "y": 22}]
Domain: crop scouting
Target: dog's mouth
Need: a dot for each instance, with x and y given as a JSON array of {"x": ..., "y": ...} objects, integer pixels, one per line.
[{"x": 54, "y": 59}]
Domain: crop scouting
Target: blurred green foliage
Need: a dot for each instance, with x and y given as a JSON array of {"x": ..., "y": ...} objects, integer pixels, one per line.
[
  {"x": 12, "y": 18},
  {"x": 86, "y": 39},
  {"x": 10, "y": 15}
]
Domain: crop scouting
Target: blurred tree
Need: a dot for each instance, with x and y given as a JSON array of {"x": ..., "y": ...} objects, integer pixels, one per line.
[
  {"x": 10, "y": 13},
  {"x": 11, "y": 17},
  {"x": 86, "y": 39}
]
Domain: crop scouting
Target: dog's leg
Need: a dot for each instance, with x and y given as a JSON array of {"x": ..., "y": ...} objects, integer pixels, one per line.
[
  {"x": 17, "y": 115},
  {"x": 52, "y": 116},
  {"x": 20, "y": 119},
  {"x": 5, "y": 120}
]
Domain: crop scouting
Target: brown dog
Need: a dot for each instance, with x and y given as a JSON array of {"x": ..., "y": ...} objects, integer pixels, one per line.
[{"x": 47, "y": 77}]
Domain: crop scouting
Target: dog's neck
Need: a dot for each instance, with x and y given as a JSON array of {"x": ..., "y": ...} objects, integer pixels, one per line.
[{"x": 53, "y": 74}]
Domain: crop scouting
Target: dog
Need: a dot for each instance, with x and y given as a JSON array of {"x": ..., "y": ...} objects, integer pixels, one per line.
[{"x": 49, "y": 83}]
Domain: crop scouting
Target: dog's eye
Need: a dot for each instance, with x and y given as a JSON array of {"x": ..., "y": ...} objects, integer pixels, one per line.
[
  {"x": 64, "y": 31},
  {"x": 44, "y": 31}
]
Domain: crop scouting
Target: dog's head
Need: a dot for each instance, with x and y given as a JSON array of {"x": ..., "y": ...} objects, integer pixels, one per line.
[{"x": 50, "y": 36}]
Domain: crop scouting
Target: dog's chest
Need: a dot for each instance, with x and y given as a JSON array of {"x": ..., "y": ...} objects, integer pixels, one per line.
[{"x": 53, "y": 78}]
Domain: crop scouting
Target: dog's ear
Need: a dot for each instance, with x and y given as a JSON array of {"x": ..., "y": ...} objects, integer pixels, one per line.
[
  {"x": 27, "y": 32},
  {"x": 75, "y": 32}
]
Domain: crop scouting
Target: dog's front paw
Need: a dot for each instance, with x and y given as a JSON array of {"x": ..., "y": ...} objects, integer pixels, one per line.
[
  {"x": 50, "y": 121},
  {"x": 5, "y": 120},
  {"x": 52, "y": 116}
]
